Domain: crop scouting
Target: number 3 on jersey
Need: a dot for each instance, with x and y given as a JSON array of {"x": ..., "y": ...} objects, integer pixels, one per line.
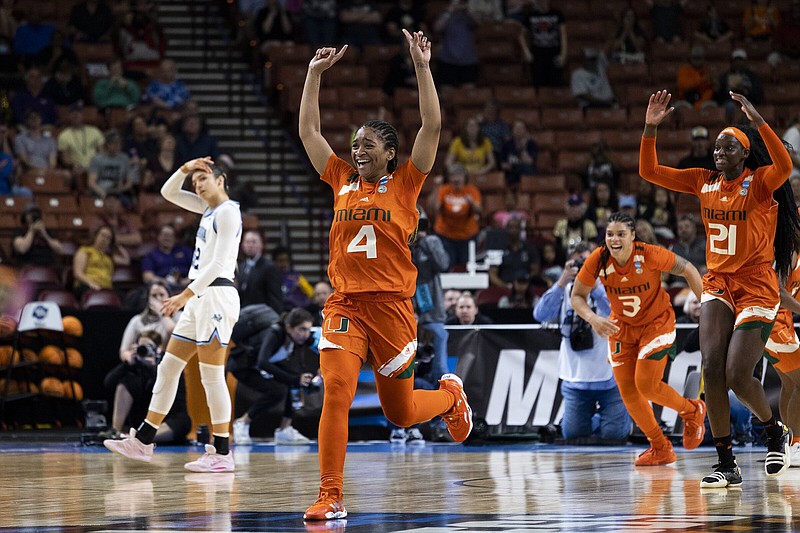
[
  {"x": 634, "y": 302},
  {"x": 364, "y": 241},
  {"x": 721, "y": 234}
]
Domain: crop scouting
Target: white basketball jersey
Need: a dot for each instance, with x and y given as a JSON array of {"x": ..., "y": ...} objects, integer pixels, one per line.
[{"x": 212, "y": 248}]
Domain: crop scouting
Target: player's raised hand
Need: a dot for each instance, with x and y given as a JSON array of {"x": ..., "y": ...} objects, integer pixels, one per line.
[
  {"x": 418, "y": 45},
  {"x": 325, "y": 58},
  {"x": 658, "y": 108}
]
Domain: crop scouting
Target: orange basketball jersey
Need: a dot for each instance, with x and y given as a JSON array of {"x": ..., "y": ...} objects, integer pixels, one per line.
[
  {"x": 740, "y": 216},
  {"x": 372, "y": 223},
  {"x": 634, "y": 290},
  {"x": 793, "y": 286}
]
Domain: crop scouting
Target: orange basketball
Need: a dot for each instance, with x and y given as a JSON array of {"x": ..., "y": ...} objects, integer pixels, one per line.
[
  {"x": 51, "y": 355},
  {"x": 7, "y": 326},
  {"x": 51, "y": 387},
  {"x": 5, "y": 355},
  {"x": 74, "y": 358},
  {"x": 72, "y": 326},
  {"x": 67, "y": 387}
]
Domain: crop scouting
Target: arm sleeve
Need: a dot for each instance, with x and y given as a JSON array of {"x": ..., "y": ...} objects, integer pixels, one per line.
[
  {"x": 546, "y": 309},
  {"x": 173, "y": 191},
  {"x": 781, "y": 167},
  {"x": 670, "y": 178},
  {"x": 228, "y": 225}
]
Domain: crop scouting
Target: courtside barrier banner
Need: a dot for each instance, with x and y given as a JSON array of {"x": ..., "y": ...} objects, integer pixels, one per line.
[{"x": 510, "y": 374}]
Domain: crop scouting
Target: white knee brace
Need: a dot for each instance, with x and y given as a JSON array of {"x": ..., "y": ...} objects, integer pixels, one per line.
[
  {"x": 219, "y": 401},
  {"x": 168, "y": 375}
]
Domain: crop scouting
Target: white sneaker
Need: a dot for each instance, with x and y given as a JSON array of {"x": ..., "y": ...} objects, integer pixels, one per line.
[
  {"x": 398, "y": 436},
  {"x": 290, "y": 436},
  {"x": 241, "y": 432},
  {"x": 211, "y": 461},
  {"x": 415, "y": 437},
  {"x": 794, "y": 452},
  {"x": 131, "y": 447}
]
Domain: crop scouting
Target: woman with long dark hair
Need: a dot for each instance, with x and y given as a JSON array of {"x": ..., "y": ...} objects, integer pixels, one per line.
[
  {"x": 640, "y": 330},
  {"x": 751, "y": 220}
]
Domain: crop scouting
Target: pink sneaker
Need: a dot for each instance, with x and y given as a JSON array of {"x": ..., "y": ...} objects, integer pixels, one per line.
[
  {"x": 459, "y": 417},
  {"x": 131, "y": 447},
  {"x": 211, "y": 461}
]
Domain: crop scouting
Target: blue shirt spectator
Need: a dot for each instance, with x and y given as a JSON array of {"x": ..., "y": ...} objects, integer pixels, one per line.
[
  {"x": 169, "y": 262},
  {"x": 33, "y": 37},
  {"x": 193, "y": 141},
  {"x": 166, "y": 91}
]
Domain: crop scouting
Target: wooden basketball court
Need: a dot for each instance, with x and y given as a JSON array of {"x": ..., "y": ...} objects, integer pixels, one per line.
[{"x": 434, "y": 488}]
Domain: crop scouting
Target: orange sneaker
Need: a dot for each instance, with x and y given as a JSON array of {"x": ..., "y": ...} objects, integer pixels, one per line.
[
  {"x": 655, "y": 455},
  {"x": 459, "y": 417},
  {"x": 694, "y": 427},
  {"x": 329, "y": 506}
]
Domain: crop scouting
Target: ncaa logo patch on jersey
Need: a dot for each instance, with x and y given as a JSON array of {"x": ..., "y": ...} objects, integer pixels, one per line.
[{"x": 201, "y": 233}]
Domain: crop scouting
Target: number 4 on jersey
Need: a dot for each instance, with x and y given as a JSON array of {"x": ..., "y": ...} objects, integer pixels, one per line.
[{"x": 365, "y": 235}]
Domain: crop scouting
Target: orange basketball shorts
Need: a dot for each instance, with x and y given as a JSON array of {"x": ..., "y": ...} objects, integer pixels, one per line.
[
  {"x": 648, "y": 341},
  {"x": 751, "y": 293}
]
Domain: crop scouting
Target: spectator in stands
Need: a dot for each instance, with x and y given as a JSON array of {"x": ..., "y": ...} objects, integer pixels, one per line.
[
  {"x": 738, "y": 79},
  {"x": 694, "y": 82},
  {"x": 194, "y": 141},
  {"x": 544, "y": 44},
  {"x": 141, "y": 41},
  {"x": 296, "y": 289},
  {"x": 361, "y": 23},
  {"x": 627, "y": 205},
  {"x": 501, "y": 217},
  {"x": 50, "y": 58},
  {"x": 150, "y": 318},
  {"x": 126, "y": 231},
  {"x": 759, "y": 20},
  {"x": 132, "y": 384},
  {"x": 786, "y": 37},
  {"x": 111, "y": 171},
  {"x": 36, "y": 150},
  {"x": 689, "y": 244},
  {"x": 458, "y": 54},
  {"x": 467, "y": 314},
  {"x": 646, "y": 233},
  {"x": 576, "y": 226},
  {"x": 32, "y": 243},
  {"x": 450, "y": 300},
  {"x": 32, "y": 98},
  {"x": 286, "y": 357},
  {"x": 140, "y": 146},
  {"x": 115, "y": 90},
  {"x": 404, "y": 14},
  {"x": 628, "y": 43},
  {"x": 601, "y": 167},
  {"x": 91, "y": 21},
  {"x": 593, "y": 406},
  {"x": 457, "y": 207},
  {"x": 520, "y": 297},
  {"x": 472, "y": 150},
  {"x": 667, "y": 20},
  {"x": 792, "y": 136},
  {"x": 661, "y": 214},
  {"x": 93, "y": 264},
  {"x": 644, "y": 197},
  {"x": 64, "y": 87},
  {"x": 691, "y": 310},
  {"x": 167, "y": 91},
  {"x": 169, "y": 262},
  {"x": 272, "y": 25},
  {"x": 8, "y": 23},
  {"x": 32, "y": 36},
  {"x": 551, "y": 262},
  {"x": 518, "y": 155},
  {"x": 493, "y": 126},
  {"x": 713, "y": 29},
  {"x": 259, "y": 278},
  {"x": 320, "y": 21},
  {"x": 322, "y": 290},
  {"x": 9, "y": 171},
  {"x": 589, "y": 83},
  {"x": 161, "y": 167},
  {"x": 520, "y": 259},
  {"x": 700, "y": 155},
  {"x": 78, "y": 143},
  {"x": 603, "y": 200}
]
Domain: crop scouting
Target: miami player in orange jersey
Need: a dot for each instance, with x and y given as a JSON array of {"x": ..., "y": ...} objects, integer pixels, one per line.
[
  {"x": 640, "y": 330},
  {"x": 783, "y": 351},
  {"x": 751, "y": 220},
  {"x": 370, "y": 317}
]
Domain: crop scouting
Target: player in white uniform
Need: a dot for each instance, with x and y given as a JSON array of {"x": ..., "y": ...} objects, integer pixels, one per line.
[{"x": 211, "y": 308}]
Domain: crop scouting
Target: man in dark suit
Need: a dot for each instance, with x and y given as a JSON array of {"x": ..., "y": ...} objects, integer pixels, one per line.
[{"x": 259, "y": 278}]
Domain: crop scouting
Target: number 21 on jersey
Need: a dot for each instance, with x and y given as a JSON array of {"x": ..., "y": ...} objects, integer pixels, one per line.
[
  {"x": 722, "y": 239},
  {"x": 364, "y": 241}
]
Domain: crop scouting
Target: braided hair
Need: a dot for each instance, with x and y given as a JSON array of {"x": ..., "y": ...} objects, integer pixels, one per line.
[
  {"x": 605, "y": 253},
  {"x": 388, "y": 135},
  {"x": 787, "y": 235}
]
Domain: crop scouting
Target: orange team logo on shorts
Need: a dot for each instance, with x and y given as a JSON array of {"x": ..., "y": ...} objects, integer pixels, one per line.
[{"x": 342, "y": 326}]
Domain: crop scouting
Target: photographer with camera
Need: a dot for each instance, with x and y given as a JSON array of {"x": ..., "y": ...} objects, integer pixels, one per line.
[
  {"x": 283, "y": 367},
  {"x": 132, "y": 382},
  {"x": 33, "y": 244},
  {"x": 593, "y": 408}
]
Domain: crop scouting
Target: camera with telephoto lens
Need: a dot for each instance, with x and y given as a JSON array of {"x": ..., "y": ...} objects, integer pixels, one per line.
[
  {"x": 578, "y": 263},
  {"x": 147, "y": 350}
]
